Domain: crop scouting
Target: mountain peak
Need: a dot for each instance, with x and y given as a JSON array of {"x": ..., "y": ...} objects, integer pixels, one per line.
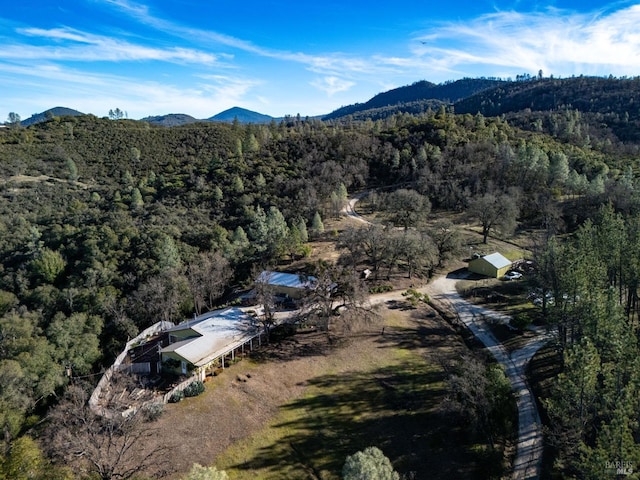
[
  {"x": 242, "y": 115},
  {"x": 52, "y": 112}
]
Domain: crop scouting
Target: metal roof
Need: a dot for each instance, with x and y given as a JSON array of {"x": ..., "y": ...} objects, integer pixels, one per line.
[
  {"x": 497, "y": 260},
  {"x": 291, "y": 280},
  {"x": 216, "y": 330}
]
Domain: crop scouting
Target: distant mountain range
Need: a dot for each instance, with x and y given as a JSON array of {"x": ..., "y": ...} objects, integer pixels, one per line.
[
  {"x": 612, "y": 100},
  {"x": 241, "y": 115},
  {"x": 170, "y": 120},
  {"x": 422, "y": 91}
]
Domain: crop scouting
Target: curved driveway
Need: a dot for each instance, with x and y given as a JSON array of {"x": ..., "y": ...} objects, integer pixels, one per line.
[
  {"x": 530, "y": 440},
  {"x": 528, "y": 459}
]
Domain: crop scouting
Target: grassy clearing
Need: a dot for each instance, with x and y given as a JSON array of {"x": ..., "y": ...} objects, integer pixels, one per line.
[
  {"x": 372, "y": 402},
  {"x": 387, "y": 391}
]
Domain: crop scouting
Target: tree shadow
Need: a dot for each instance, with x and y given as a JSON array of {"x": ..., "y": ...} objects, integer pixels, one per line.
[
  {"x": 296, "y": 345},
  {"x": 464, "y": 273},
  {"x": 427, "y": 335},
  {"x": 396, "y": 408}
]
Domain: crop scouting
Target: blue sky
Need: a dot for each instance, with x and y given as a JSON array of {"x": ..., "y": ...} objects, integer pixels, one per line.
[{"x": 280, "y": 57}]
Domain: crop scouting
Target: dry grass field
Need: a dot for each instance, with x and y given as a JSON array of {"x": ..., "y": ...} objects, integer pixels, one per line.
[{"x": 300, "y": 406}]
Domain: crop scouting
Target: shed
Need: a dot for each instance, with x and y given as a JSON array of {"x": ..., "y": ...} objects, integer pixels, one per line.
[{"x": 493, "y": 265}]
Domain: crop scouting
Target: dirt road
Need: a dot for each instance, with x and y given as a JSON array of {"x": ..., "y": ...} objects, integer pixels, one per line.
[
  {"x": 528, "y": 459},
  {"x": 530, "y": 440},
  {"x": 350, "y": 209}
]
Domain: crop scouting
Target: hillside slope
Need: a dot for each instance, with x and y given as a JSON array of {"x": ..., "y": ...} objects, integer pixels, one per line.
[
  {"x": 242, "y": 115},
  {"x": 52, "y": 112},
  {"x": 449, "y": 92}
]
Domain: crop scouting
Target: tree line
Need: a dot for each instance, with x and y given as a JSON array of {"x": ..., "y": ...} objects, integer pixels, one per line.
[{"x": 107, "y": 227}]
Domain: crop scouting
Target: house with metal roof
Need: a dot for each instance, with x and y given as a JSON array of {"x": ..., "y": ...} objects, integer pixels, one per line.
[
  {"x": 288, "y": 284},
  {"x": 493, "y": 265},
  {"x": 205, "y": 341}
]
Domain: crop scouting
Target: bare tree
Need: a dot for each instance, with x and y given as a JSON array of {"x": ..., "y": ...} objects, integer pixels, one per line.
[
  {"x": 338, "y": 293},
  {"x": 368, "y": 243},
  {"x": 265, "y": 296},
  {"x": 208, "y": 276},
  {"x": 161, "y": 297},
  {"x": 110, "y": 448},
  {"x": 447, "y": 240},
  {"x": 419, "y": 252},
  {"x": 13, "y": 119},
  {"x": 495, "y": 212}
]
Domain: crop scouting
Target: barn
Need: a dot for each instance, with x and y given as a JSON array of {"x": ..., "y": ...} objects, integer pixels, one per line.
[{"x": 493, "y": 265}]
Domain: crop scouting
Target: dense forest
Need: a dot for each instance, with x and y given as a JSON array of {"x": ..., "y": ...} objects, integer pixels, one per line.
[{"x": 107, "y": 225}]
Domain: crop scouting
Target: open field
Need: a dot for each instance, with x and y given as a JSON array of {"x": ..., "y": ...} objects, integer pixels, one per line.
[{"x": 297, "y": 409}]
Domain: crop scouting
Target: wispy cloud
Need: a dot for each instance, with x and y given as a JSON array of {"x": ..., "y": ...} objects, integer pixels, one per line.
[
  {"x": 335, "y": 64},
  {"x": 227, "y": 88},
  {"x": 148, "y": 52},
  {"x": 143, "y": 15},
  {"x": 78, "y": 89},
  {"x": 556, "y": 41},
  {"x": 76, "y": 45},
  {"x": 332, "y": 85}
]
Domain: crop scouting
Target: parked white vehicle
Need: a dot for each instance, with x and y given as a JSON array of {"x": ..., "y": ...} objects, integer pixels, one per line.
[{"x": 513, "y": 275}]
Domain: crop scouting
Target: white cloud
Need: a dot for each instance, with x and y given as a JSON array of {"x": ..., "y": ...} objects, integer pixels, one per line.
[
  {"x": 222, "y": 70},
  {"x": 79, "y": 89},
  {"x": 226, "y": 88},
  {"x": 71, "y": 44},
  {"x": 331, "y": 85},
  {"x": 330, "y": 63},
  {"x": 556, "y": 41}
]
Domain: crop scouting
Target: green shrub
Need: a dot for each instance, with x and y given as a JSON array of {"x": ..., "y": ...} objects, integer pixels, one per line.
[
  {"x": 521, "y": 321},
  {"x": 198, "y": 472},
  {"x": 413, "y": 296},
  {"x": 381, "y": 289},
  {"x": 370, "y": 463},
  {"x": 194, "y": 389},
  {"x": 153, "y": 411},
  {"x": 176, "y": 396}
]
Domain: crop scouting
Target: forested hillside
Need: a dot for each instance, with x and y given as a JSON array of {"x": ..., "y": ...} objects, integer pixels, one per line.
[
  {"x": 609, "y": 101},
  {"x": 423, "y": 91},
  {"x": 607, "y": 106},
  {"x": 107, "y": 225}
]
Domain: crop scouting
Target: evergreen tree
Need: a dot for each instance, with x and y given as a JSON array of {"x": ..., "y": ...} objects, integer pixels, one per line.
[
  {"x": 317, "y": 227},
  {"x": 48, "y": 265},
  {"x": 136, "y": 199},
  {"x": 302, "y": 229},
  {"x": 72, "y": 170}
]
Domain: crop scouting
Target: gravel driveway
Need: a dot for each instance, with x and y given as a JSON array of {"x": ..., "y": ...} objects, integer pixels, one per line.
[
  {"x": 527, "y": 463},
  {"x": 528, "y": 459}
]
